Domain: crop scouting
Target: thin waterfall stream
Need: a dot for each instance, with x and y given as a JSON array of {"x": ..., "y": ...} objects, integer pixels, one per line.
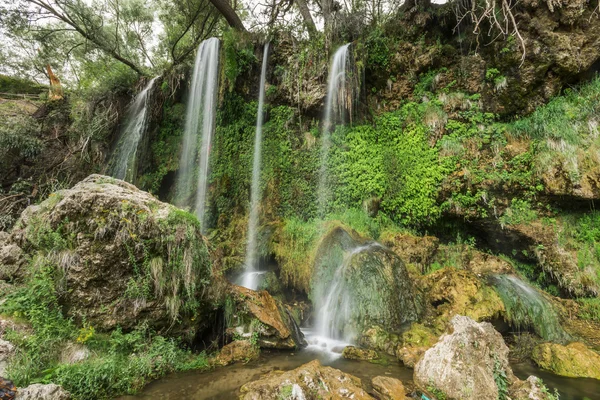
[
  {"x": 337, "y": 94},
  {"x": 251, "y": 273},
  {"x": 199, "y": 124},
  {"x": 123, "y": 164}
]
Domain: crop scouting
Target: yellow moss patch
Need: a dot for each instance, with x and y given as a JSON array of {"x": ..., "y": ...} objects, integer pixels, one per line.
[{"x": 574, "y": 360}]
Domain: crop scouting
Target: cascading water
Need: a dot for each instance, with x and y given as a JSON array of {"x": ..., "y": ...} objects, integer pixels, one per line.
[
  {"x": 251, "y": 275},
  {"x": 526, "y": 308},
  {"x": 335, "y": 108},
  {"x": 333, "y": 328},
  {"x": 199, "y": 123},
  {"x": 123, "y": 164}
]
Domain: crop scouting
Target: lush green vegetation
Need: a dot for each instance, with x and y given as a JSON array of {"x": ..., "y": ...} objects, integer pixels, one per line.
[{"x": 118, "y": 362}]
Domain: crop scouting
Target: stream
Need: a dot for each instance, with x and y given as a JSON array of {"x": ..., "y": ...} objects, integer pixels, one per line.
[{"x": 223, "y": 383}]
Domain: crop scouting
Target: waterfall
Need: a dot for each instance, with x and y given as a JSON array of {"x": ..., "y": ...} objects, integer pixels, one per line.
[
  {"x": 335, "y": 308},
  {"x": 250, "y": 277},
  {"x": 335, "y": 108},
  {"x": 199, "y": 124},
  {"x": 526, "y": 308},
  {"x": 123, "y": 164}
]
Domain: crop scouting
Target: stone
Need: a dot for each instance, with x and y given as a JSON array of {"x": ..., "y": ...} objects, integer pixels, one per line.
[
  {"x": 387, "y": 388},
  {"x": 355, "y": 353},
  {"x": 12, "y": 261},
  {"x": 463, "y": 362},
  {"x": 415, "y": 343},
  {"x": 531, "y": 389},
  {"x": 374, "y": 282},
  {"x": 574, "y": 360},
  {"x": 310, "y": 381},
  {"x": 125, "y": 258},
  {"x": 6, "y": 350},
  {"x": 378, "y": 339},
  {"x": 258, "y": 311},
  {"x": 237, "y": 351},
  {"x": 42, "y": 392}
]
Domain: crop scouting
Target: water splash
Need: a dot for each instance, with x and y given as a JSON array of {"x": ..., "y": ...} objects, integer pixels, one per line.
[
  {"x": 335, "y": 108},
  {"x": 124, "y": 159},
  {"x": 250, "y": 277},
  {"x": 527, "y": 308},
  {"x": 199, "y": 123}
]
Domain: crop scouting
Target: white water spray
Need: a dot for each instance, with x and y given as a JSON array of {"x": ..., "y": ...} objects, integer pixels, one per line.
[
  {"x": 251, "y": 275},
  {"x": 124, "y": 159},
  {"x": 199, "y": 123},
  {"x": 333, "y": 329},
  {"x": 335, "y": 108}
]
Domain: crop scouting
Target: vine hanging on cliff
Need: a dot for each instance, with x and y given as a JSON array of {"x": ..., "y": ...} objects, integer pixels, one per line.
[{"x": 497, "y": 13}]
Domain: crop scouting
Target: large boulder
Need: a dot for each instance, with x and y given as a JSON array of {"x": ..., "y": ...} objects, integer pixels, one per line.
[
  {"x": 464, "y": 362},
  {"x": 310, "y": 381},
  {"x": 42, "y": 392},
  {"x": 237, "y": 351},
  {"x": 369, "y": 284},
  {"x": 119, "y": 256},
  {"x": 574, "y": 360},
  {"x": 387, "y": 388},
  {"x": 6, "y": 350},
  {"x": 256, "y": 314}
]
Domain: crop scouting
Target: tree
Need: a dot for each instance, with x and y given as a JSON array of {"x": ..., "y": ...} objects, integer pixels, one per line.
[{"x": 229, "y": 14}]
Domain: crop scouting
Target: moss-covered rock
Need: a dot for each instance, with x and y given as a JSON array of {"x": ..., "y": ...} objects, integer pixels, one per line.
[
  {"x": 415, "y": 342},
  {"x": 237, "y": 351},
  {"x": 373, "y": 283},
  {"x": 256, "y": 315},
  {"x": 574, "y": 360},
  {"x": 356, "y": 353},
  {"x": 119, "y": 257}
]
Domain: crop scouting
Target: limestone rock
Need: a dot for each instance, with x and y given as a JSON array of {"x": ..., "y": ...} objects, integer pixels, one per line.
[
  {"x": 310, "y": 381},
  {"x": 415, "y": 343},
  {"x": 42, "y": 392},
  {"x": 6, "y": 349},
  {"x": 237, "y": 351},
  {"x": 275, "y": 326},
  {"x": 462, "y": 363},
  {"x": 574, "y": 360},
  {"x": 12, "y": 260},
  {"x": 377, "y": 338},
  {"x": 531, "y": 389},
  {"x": 125, "y": 258},
  {"x": 355, "y": 353},
  {"x": 387, "y": 388},
  {"x": 412, "y": 249},
  {"x": 451, "y": 291}
]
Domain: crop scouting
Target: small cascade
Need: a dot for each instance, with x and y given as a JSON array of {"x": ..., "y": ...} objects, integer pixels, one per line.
[
  {"x": 123, "y": 164},
  {"x": 336, "y": 105},
  {"x": 334, "y": 326},
  {"x": 199, "y": 129},
  {"x": 250, "y": 277},
  {"x": 527, "y": 308}
]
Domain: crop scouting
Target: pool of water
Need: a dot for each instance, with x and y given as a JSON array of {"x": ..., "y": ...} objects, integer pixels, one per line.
[{"x": 223, "y": 383}]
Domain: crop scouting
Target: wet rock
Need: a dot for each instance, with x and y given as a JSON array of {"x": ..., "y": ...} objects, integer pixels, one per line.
[
  {"x": 531, "y": 389},
  {"x": 463, "y": 363},
  {"x": 574, "y": 360},
  {"x": 377, "y": 338},
  {"x": 451, "y": 291},
  {"x": 310, "y": 381},
  {"x": 42, "y": 392},
  {"x": 355, "y": 353},
  {"x": 387, "y": 388},
  {"x": 373, "y": 282},
  {"x": 8, "y": 391},
  {"x": 258, "y": 312},
  {"x": 415, "y": 342},
  {"x": 124, "y": 258},
  {"x": 417, "y": 250},
  {"x": 237, "y": 351}
]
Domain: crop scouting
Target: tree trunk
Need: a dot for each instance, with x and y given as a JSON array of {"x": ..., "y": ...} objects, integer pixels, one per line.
[
  {"x": 308, "y": 21},
  {"x": 229, "y": 13}
]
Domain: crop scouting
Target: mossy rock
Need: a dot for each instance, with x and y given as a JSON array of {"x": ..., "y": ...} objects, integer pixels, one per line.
[{"x": 574, "y": 360}]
